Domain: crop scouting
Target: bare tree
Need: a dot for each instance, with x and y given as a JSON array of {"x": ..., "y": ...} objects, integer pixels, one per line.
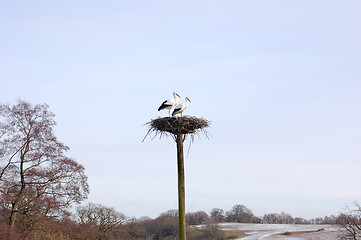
[
  {"x": 240, "y": 214},
  {"x": 350, "y": 222},
  {"x": 217, "y": 215},
  {"x": 271, "y": 218},
  {"x": 166, "y": 225},
  {"x": 36, "y": 178},
  {"x": 275, "y": 218},
  {"x": 134, "y": 229},
  {"x": 286, "y": 218},
  {"x": 212, "y": 231},
  {"x": 107, "y": 219},
  {"x": 197, "y": 218}
]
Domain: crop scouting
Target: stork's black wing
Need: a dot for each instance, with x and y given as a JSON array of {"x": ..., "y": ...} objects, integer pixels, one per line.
[
  {"x": 164, "y": 105},
  {"x": 175, "y": 111}
]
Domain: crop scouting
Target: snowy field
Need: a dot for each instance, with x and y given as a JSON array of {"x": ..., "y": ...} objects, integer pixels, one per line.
[{"x": 265, "y": 231}]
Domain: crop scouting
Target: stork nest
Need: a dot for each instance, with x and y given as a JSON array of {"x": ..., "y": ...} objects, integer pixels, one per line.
[{"x": 177, "y": 125}]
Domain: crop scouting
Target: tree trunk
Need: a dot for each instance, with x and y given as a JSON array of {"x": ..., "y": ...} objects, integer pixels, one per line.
[
  {"x": 15, "y": 205},
  {"x": 12, "y": 218},
  {"x": 181, "y": 188}
]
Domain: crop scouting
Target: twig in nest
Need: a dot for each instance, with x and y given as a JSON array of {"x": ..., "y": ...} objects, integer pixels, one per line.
[{"x": 177, "y": 125}]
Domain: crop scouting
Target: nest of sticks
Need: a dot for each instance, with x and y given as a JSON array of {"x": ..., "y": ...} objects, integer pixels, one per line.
[{"x": 177, "y": 125}]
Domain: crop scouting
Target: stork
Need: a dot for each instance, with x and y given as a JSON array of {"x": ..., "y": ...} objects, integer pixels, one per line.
[
  {"x": 169, "y": 103},
  {"x": 181, "y": 107}
]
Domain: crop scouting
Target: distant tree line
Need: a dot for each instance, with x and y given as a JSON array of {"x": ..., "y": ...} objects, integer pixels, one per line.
[{"x": 98, "y": 222}]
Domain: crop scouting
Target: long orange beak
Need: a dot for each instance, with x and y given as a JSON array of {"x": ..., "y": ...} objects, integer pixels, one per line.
[
  {"x": 189, "y": 100},
  {"x": 177, "y": 95}
]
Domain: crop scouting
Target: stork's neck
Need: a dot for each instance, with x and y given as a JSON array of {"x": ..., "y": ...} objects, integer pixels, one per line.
[{"x": 175, "y": 98}]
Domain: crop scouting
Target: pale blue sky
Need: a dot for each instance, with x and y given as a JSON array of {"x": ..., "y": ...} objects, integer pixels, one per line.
[{"x": 279, "y": 80}]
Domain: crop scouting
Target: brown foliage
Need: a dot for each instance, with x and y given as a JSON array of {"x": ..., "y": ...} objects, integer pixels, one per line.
[
  {"x": 197, "y": 218},
  {"x": 7, "y": 232},
  {"x": 350, "y": 222},
  {"x": 37, "y": 180},
  {"x": 107, "y": 220},
  {"x": 209, "y": 231},
  {"x": 217, "y": 215},
  {"x": 240, "y": 214}
]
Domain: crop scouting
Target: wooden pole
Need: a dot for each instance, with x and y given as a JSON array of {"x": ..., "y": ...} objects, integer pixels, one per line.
[{"x": 181, "y": 188}]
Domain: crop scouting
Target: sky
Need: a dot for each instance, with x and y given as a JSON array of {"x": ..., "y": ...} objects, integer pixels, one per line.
[{"x": 280, "y": 82}]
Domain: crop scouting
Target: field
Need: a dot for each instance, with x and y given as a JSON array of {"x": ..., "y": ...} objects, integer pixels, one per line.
[{"x": 284, "y": 231}]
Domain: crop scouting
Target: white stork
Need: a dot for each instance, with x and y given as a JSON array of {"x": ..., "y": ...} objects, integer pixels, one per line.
[
  {"x": 181, "y": 107},
  {"x": 169, "y": 103}
]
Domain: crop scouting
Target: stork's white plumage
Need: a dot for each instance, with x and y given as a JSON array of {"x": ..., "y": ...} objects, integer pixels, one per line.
[
  {"x": 181, "y": 107},
  {"x": 169, "y": 103}
]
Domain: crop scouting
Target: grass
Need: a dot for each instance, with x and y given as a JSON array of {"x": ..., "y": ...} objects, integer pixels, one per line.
[
  {"x": 196, "y": 233},
  {"x": 296, "y": 232},
  {"x": 232, "y": 234}
]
